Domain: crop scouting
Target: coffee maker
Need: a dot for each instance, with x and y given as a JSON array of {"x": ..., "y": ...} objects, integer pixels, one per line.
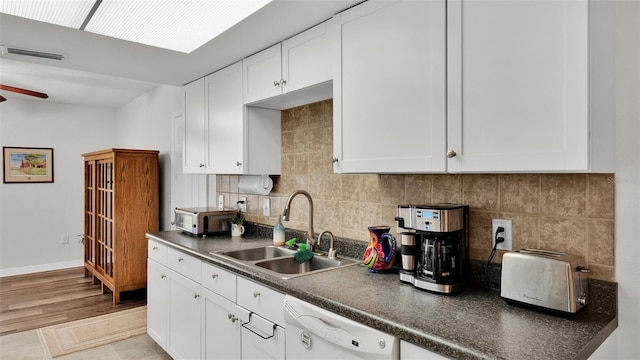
[{"x": 435, "y": 246}]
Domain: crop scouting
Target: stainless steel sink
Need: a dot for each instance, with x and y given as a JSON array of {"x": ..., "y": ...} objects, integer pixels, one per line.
[
  {"x": 280, "y": 261},
  {"x": 289, "y": 265},
  {"x": 261, "y": 253}
]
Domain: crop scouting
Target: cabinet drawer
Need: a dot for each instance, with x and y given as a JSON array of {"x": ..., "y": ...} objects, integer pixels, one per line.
[
  {"x": 219, "y": 281},
  {"x": 157, "y": 252},
  {"x": 184, "y": 264},
  {"x": 262, "y": 300}
]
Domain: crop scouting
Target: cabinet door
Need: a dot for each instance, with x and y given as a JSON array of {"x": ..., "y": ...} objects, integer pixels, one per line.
[
  {"x": 226, "y": 120},
  {"x": 90, "y": 216},
  {"x": 518, "y": 85},
  {"x": 389, "y": 95},
  {"x": 157, "y": 285},
  {"x": 262, "y": 74},
  {"x": 262, "y": 339},
  {"x": 221, "y": 328},
  {"x": 409, "y": 351},
  {"x": 183, "y": 338},
  {"x": 306, "y": 58},
  {"x": 105, "y": 236},
  {"x": 194, "y": 160}
]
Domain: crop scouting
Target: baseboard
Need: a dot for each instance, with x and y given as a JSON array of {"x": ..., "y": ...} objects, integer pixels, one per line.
[{"x": 39, "y": 268}]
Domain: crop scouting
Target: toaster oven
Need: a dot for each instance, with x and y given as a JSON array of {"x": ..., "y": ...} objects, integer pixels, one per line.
[{"x": 203, "y": 220}]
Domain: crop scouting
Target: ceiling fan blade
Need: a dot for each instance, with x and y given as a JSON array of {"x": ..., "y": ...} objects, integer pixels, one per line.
[
  {"x": 24, "y": 91},
  {"x": 2, "y": 98}
]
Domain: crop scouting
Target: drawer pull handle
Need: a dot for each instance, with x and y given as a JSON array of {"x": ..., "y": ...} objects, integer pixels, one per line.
[
  {"x": 195, "y": 296},
  {"x": 256, "y": 294},
  {"x": 213, "y": 276},
  {"x": 155, "y": 248},
  {"x": 180, "y": 260},
  {"x": 233, "y": 318},
  {"x": 163, "y": 276}
]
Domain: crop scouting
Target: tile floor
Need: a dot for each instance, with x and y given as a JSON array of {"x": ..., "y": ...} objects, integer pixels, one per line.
[{"x": 27, "y": 346}]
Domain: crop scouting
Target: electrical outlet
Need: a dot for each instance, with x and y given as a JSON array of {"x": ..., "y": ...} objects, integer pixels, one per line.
[
  {"x": 220, "y": 202},
  {"x": 507, "y": 234},
  {"x": 242, "y": 204},
  {"x": 266, "y": 207},
  {"x": 65, "y": 239}
]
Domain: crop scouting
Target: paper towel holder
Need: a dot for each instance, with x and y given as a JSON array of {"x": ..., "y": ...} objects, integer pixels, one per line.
[{"x": 255, "y": 184}]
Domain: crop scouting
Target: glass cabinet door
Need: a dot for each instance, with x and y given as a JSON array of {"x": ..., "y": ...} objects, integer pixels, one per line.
[{"x": 104, "y": 217}]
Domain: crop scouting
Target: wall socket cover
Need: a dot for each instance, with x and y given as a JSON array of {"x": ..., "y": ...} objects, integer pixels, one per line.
[
  {"x": 220, "y": 202},
  {"x": 242, "y": 204},
  {"x": 266, "y": 207},
  {"x": 507, "y": 234}
]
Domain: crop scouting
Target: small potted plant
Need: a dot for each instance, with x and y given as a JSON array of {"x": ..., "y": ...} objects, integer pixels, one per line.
[{"x": 236, "y": 224}]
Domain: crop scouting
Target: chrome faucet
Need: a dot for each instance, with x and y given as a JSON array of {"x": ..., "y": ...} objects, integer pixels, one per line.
[{"x": 311, "y": 240}]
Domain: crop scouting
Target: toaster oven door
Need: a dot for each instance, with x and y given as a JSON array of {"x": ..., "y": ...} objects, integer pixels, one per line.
[{"x": 185, "y": 221}]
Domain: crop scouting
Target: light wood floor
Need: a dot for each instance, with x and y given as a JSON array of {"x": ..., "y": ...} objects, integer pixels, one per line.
[{"x": 36, "y": 300}]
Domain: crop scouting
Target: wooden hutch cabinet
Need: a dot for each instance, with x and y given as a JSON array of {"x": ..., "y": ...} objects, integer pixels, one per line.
[{"x": 120, "y": 206}]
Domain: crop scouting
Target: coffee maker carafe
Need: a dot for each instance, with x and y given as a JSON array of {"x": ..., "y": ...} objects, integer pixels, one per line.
[{"x": 435, "y": 246}]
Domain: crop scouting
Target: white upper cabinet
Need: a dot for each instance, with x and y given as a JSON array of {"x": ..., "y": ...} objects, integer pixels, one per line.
[
  {"x": 226, "y": 120},
  {"x": 301, "y": 62},
  {"x": 306, "y": 58},
  {"x": 263, "y": 74},
  {"x": 195, "y": 137},
  {"x": 527, "y": 86},
  {"x": 222, "y": 135},
  {"x": 389, "y": 95},
  {"x": 530, "y": 86}
]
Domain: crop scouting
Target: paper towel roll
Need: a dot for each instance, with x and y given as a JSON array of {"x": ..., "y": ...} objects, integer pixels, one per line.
[{"x": 255, "y": 184}]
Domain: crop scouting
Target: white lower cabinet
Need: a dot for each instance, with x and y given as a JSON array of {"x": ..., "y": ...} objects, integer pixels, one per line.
[
  {"x": 157, "y": 302},
  {"x": 262, "y": 339},
  {"x": 220, "y": 327},
  {"x": 193, "y": 314},
  {"x": 263, "y": 336},
  {"x": 183, "y": 336},
  {"x": 409, "y": 351}
]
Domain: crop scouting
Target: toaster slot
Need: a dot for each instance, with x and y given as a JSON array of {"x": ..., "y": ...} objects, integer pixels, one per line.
[{"x": 543, "y": 252}]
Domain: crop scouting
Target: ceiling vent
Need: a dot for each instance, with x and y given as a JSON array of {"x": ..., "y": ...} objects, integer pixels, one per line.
[{"x": 7, "y": 50}]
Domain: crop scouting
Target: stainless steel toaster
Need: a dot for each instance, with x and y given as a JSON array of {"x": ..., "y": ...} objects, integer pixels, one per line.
[{"x": 545, "y": 279}]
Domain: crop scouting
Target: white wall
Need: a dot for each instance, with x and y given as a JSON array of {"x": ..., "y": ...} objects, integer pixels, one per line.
[
  {"x": 146, "y": 123},
  {"x": 34, "y": 217},
  {"x": 628, "y": 178}
]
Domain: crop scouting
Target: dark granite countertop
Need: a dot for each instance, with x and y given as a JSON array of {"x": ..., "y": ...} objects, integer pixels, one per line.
[{"x": 474, "y": 324}]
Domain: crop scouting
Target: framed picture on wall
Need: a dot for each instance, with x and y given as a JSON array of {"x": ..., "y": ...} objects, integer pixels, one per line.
[{"x": 27, "y": 165}]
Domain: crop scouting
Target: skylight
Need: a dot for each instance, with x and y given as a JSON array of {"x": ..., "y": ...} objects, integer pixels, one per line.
[{"x": 179, "y": 25}]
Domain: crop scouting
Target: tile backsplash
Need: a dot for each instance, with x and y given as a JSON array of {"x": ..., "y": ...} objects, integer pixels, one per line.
[{"x": 573, "y": 213}]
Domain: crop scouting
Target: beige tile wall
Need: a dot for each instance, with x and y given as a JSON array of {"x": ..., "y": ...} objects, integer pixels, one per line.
[{"x": 564, "y": 212}]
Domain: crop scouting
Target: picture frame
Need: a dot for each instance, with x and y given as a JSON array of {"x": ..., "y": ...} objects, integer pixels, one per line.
[{"x": 27, "y": 164}]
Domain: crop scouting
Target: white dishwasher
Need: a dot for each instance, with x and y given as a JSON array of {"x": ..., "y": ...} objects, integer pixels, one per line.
[{"x": 315, "y": 333}]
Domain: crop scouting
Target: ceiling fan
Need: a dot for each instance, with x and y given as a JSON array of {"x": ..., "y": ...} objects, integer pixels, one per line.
[{"x": 21, "y": 91}]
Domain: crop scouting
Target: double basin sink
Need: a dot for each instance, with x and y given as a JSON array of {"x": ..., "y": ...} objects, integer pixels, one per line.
[{"x": 281, "y": 262}]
